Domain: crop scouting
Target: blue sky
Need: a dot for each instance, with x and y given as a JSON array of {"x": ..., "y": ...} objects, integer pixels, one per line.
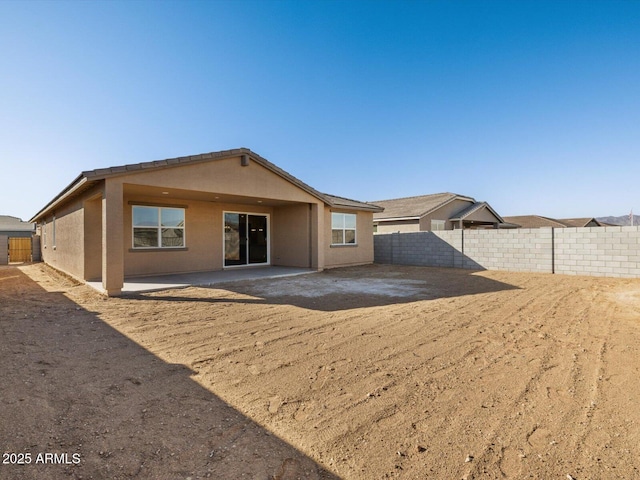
[{"x": 531, "y": 106}]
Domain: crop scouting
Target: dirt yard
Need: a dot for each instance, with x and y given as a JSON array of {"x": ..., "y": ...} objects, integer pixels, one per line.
[{"x": 360, "y": 373}]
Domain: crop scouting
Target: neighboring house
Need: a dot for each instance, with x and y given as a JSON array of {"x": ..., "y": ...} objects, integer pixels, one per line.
[
  {"x": 204, "y": 212},
  {"x": 15, "y": 227},
  {"x": 440, "y": 211},
  {"x": 536, "y": 221},
  {"x": 15, "y": 240}
]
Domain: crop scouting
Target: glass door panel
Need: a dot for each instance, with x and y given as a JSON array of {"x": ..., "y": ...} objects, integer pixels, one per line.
[
  {"x": 235, "y": 239},
  {"x": 257, "y": 228},
  {"x": 246, "y": 239}
]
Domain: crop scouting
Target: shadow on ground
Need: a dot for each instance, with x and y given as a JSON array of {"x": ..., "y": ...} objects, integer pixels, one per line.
[
  {"x": 342, "y": 288},
  {"x": 73, "y": 386}
]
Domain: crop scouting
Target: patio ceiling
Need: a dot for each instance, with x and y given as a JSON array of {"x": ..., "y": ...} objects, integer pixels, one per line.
[{"x": 181, "y": 194}]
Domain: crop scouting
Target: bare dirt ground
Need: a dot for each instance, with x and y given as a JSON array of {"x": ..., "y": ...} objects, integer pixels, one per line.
[{"x": 359, "y": 373}]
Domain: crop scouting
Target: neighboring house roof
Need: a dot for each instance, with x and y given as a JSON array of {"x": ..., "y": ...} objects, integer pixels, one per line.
[
  {"x": 533, "y": 221},
  {"x": 471, "y": 209},
  {"x": 579, "y": 222},
  {"x": 90, "y": 177},
  {"x": 537, "y": 221},
  {"x": 14, "y": 224},
  {"x": 414, "y": 207}
]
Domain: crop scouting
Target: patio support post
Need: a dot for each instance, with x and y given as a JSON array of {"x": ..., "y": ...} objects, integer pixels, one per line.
[
  {"x": 318, "y": 234},
  {"x": 112, "y": 239}
]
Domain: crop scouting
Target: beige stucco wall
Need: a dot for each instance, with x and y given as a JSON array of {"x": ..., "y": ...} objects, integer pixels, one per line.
[
  {"x": 291, "y": 236},
  {"x": 402, "y": 226},
  {"x": 224, "y": 176},
  {"x": 93, "y": 238},
  {"x": 200, "y": 251},
  {"x": 67, "y": 254},
  {"x": 203, "y": 237},
  {"x": 344, "y": 255},
  {"x": 443, "y": 213}
]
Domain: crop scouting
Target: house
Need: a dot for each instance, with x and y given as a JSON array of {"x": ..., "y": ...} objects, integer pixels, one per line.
[
  {"x": 440, "y": 211},
  {"x": 14, "y": 227},
  {"x": 213, "y": 211},
  {"x": 15, "y": 240},
  {"x": 537, "y": 221}
]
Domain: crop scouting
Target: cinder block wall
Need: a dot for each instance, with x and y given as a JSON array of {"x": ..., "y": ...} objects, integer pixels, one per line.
[
  {"x": 36, "y": 252},
  {"x": 517, "y": 250},
  {"x": 600, "y": 251},
  {"x": 431, "y": 249},
  {"x": 382, "y": 248},
  {"x": 4, "y": 250}
]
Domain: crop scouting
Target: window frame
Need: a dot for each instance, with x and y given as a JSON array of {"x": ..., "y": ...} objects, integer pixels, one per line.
[
  {"x": 158, "y": 227},
  {"x": 441, "y": 224},
  {"x": 344, "y": 229}
]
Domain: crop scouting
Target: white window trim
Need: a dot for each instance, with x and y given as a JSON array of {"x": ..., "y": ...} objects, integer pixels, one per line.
[
  {"x": 344, "y": 229},
  {"x": 53, "y": 235},
  {"x": 159, "y": 227},
  {"x": 261, "y": 214}
]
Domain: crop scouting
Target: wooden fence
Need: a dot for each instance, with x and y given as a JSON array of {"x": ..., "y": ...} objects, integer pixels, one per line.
[{"x": 19, "y": 249}]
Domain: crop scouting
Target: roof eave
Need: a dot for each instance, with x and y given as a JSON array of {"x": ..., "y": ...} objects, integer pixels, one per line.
[{"x": 67, "y": 192}]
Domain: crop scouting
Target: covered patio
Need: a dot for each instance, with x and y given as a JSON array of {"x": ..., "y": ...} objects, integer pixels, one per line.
[{"x": 134, "y": 285}]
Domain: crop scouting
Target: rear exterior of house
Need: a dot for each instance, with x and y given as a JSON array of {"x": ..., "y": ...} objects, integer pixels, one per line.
[{"x": 229, "y": 209}]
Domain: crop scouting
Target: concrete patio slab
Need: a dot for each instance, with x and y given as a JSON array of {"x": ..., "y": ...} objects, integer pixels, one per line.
[{"x": 134, "y": 285}]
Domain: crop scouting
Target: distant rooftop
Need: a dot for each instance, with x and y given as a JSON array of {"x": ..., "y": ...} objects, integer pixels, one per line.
[
  {"x": 9, "y": 223},
  {"x": 538, "y": 221},
  {"x": 415, "y": 206}
]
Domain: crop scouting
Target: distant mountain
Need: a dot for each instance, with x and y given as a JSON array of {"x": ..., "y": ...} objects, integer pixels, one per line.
[{"x": 621, "y": 220}]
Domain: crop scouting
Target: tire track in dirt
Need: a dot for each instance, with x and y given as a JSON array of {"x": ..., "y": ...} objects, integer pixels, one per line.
[
  {"x": 494, "y": 454},
  {"x": 542, "y": 436}
]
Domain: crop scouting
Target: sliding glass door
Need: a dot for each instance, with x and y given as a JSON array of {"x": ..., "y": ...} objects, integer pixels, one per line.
[{"x": 246, "y": 239}]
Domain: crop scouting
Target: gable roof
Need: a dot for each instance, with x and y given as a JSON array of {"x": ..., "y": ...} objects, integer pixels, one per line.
[
  {"x": 89, "y": 178},
  {"x": 415, "y": 207},
  {"x": 537, "y": 221},
  {"x": 471, "y": 209}
]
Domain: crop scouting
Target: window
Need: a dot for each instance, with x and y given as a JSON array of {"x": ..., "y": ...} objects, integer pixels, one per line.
[
  {"x": 437, "y": 225},
  {"x": 44, "y": 233},
  {"x": 343, "y": 228},
  {"x": 158, "y": 227},
  {"x": 53, "y": 235}
]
